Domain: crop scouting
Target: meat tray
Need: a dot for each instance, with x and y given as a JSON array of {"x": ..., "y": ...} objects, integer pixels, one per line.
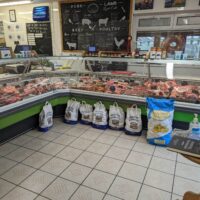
[{"x": 184, "y": 91}]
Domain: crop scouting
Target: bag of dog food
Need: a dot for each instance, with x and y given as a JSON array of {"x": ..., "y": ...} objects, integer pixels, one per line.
[
  {"x": 133, "y": 121},
  {"x": 86, "y": 111},
  {"x": 116, "y": 117},
  {"x": 100, "y": 116},
  {"x": 71, "y": 112},
  {"x": 46, "y": 117},
  {"x": 160, "y": 115}
]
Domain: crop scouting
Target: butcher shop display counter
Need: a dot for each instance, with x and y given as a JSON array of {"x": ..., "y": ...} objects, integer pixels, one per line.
[
  {"x": 104, "y": 82},
  {"x": 22, "y": 100}
]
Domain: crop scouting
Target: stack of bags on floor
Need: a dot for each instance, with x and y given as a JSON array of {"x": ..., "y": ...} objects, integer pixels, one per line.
[
  {"x": 160, "y": 114},
  {"x": 99, "y": 117}
]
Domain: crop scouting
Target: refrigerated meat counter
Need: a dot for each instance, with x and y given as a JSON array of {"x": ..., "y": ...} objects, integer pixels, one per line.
[{"x": 21, "y": 101}]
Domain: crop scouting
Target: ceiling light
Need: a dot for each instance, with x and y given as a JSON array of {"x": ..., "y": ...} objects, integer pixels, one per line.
[{"x": 13, "y": 3}]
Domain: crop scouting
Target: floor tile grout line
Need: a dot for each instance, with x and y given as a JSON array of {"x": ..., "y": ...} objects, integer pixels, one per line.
[
  {"x": 21, "y": 162},
  {"x": 125, "y": 178},
  {"x": 93, "y": 140},
  {"x": 41, "y": 196},
  {"x": 37, "y": 169},
  {"x": 35, "y": 151},
  {"x": 93, "y": 167},
  {"x": 38, "y": 150},
  {"x": 16, "y": 186},
  {"x": 12, "y": 150},
  {"x": 54, "y": 175},
  {"x": 174, "y": 177},
  {"x": 145, "y": 175},
  {"x": 17, "y": 136},
  {"x": 61, "y": 172},
  {"x": 119, "y": 170},
  {"x": 83, "y": 151},
  {"x": 88, "y": 186},
  {"x": 97, "y": 170}
]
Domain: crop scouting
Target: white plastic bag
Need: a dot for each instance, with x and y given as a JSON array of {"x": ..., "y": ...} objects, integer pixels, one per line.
[
  {"x": 86, "y": 111},
  {"x": 46, "y": 117},
  {"x": 71, "y": 112},
  {"x": 100, "y": 116},
  {"x": 133, "y": 121},
  {"x": 116, "y": 117}
]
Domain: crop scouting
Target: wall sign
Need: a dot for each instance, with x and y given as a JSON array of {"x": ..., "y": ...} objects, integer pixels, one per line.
[
  {"x": 143, "y": 5},
  {"x": 39, "y": 37},
  {"x": 1, "y": 30},
  {"x": 174, "y": 3},
  {"x": 103, "y": 24},
  {"x": 12, "y": 16},
  {"x": 41, "y": 13}
]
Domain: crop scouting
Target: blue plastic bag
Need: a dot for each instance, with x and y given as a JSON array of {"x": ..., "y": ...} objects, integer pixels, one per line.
[{"x": 160, "y": 114}]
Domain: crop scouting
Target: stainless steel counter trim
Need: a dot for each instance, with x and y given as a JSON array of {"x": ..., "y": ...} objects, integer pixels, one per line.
[{"x": 21, "y": 105}]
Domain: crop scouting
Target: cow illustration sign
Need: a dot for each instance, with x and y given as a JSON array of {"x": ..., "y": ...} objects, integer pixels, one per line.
[{"x": 101, "y": 23}]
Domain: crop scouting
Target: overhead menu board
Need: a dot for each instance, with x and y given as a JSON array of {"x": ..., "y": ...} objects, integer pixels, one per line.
[
  {"x": 101, "y": 23},
  {"x": 39, "y": 37}
]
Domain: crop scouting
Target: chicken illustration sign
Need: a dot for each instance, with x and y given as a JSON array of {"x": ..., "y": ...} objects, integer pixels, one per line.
[{"x": 103, "y": 24}]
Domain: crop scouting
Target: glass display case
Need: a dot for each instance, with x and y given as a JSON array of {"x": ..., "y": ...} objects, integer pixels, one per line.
[{"x": 153, "y": 78}]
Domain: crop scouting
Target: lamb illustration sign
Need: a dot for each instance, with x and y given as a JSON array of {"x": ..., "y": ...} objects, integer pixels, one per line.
[{"x": 103, "y": 24}]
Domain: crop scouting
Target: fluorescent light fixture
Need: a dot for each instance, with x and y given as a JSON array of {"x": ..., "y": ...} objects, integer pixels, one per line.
[
  {"x": 170, "y": 70},
  {"x": 13, "y": 3}
]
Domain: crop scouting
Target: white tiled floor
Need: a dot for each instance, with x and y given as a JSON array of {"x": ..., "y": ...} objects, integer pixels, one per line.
[{"x": 82, "y": 163}]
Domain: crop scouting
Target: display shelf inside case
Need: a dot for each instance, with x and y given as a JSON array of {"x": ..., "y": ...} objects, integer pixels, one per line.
[
  {"x": 107, "y": 83},
  {"x": 154, "y": 82}
]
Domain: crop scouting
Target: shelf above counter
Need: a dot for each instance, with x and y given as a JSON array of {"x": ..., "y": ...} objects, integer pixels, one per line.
[{"x": 110, "y": 59}]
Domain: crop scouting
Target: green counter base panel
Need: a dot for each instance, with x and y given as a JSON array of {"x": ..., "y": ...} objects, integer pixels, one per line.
[
  {"x": 29, "y": 112},
  {"x": 178, "y": 116},
  {"x": 17, "y": 117}
]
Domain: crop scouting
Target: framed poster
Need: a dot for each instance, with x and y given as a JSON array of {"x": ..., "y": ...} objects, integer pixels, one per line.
[
  {"x": 12, "y": 15},
  {"x": 143, "y": 4},
  {"x": 174, "y": 3}
]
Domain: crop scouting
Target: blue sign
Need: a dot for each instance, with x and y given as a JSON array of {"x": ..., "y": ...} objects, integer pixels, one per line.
[
  {"x": 41, "y": 13},
  {"x": 92, "y": 49}
]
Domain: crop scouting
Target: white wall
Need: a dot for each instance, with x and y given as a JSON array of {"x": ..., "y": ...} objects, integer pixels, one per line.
[
  {"x": 24, "y": 15},
  {"x": 159, "y": 7},
  {"x": 191, "y": 6}
]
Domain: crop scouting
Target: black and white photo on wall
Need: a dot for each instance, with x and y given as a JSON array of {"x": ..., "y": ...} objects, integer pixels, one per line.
[
  {"x": 12, "y": 16},
  {"x": 174, "y": 3},
  {"x": 144, "y": 4}
]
